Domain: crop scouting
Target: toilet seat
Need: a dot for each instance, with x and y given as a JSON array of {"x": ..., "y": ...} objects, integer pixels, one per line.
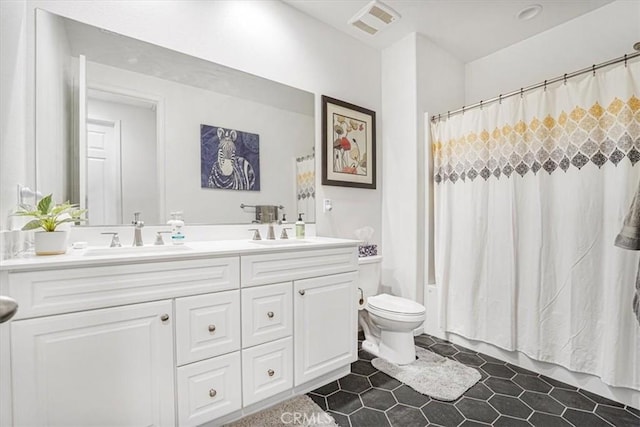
[
  {"x": 397, "y": 317},
  {"x": 392, "y": 305}
]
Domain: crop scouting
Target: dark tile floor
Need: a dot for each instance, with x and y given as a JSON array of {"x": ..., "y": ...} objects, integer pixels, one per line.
[{"x": 506, "y": 395}]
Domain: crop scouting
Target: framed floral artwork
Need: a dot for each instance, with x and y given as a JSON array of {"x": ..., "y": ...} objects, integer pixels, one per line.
[{"x": 348, "y": 144}]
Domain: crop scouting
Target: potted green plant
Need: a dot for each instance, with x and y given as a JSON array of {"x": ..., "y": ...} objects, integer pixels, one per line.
[{"x": 48, "y": 216}]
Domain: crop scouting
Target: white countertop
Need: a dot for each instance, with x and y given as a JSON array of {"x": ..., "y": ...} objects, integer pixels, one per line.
[{"x": 93, "y": 256}]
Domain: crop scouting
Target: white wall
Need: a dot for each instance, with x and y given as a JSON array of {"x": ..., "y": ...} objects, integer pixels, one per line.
[
  {"x": 53, "y": 124},
  {"x": 605, "y": 33},
  {"x": 299, "y": 51},
  {"x": 15, "y": 140},
  {"x": 400, "y": 206},
  {"x": 429, "y": 79}
]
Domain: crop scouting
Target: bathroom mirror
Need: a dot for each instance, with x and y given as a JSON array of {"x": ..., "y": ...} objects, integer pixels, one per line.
[{"x": 125, "y": 126}]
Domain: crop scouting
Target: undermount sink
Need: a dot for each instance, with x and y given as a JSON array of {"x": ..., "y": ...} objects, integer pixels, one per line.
[
  {"x": 135, "y": 250},
  {"x": 278, "y": 242}
]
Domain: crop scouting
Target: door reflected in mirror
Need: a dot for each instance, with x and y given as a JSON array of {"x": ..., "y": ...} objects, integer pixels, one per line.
[
  {"x": 121, "y": 158},
  {"x": 118, "y": 126}
]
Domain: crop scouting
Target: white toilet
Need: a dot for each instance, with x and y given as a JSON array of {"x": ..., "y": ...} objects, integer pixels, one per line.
[{"x": 387, "y": 321}]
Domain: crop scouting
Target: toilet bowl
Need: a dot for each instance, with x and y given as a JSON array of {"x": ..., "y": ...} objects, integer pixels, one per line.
[{"x": 387, "y": 321}]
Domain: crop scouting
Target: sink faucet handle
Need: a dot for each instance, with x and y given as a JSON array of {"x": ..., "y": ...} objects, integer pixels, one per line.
[
  {"x": 256, "y": 234},
  {"x": 159, "y": 240},
  {"x": 284, "y": 235},
  {"x": 115, "y": 239}
]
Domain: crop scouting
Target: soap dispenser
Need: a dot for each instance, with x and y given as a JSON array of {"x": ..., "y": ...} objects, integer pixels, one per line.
[
  {"x": 300, "y": 227},
  {"x": 177, "y": 224}
]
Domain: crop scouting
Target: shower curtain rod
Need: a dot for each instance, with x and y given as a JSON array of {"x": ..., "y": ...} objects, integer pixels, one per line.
[{"x": 544, "y": 84}]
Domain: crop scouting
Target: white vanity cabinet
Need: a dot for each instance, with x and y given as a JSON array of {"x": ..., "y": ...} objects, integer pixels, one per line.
[
  {"x": 324, "y": 305},
  {"x": 180, "y": 340},
  {"x": 95, "y": 345}
]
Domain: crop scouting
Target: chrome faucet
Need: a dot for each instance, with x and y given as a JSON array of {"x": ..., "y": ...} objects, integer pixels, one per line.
[
  {"x": 137, "y": 235},
  {"x": 271, "y": 234}
]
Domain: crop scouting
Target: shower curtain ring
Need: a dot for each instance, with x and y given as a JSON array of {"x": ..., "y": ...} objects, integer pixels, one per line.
[
  {"x": 625, "y": 60},
  {"x": 593, "y": 67},
  {"x": 521, "y": 92},
  {"x": 565, "y": 78},
  {"x": 481, "y": 104},
  {"x": 500, "y": 99},
  {"x": 448, "y": 114},
  {"x": 545, "y": 85},
  {"x": 463, "y": 110}
]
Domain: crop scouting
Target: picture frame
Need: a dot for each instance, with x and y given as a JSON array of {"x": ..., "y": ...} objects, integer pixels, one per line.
[
  {"x": 229, "y": 159},
  {"x": 348, "y": 144}
]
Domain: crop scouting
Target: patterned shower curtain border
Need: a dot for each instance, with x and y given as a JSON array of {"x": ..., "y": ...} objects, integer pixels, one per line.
[{"x": 575, "y": 139}]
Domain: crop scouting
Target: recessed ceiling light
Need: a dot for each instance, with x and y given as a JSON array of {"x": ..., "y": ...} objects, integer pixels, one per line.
[{"x": 529, "y": 12}]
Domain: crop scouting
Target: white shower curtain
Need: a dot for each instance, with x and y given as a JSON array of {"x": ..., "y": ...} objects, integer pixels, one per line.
[
  {"x": 529, "y": 197},
  {"x": 306, "y": 187}
]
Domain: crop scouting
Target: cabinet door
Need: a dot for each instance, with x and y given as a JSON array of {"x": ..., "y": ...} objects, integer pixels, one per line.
[
  {"x": 209, "y": 389},
  {"x": 325, "y": 334},
  {"x": 207, "y": 326},
  {"x": 102, "y": 367},
  {"x": 267, "y": 313},
  {"x": 267, "y": 370}
]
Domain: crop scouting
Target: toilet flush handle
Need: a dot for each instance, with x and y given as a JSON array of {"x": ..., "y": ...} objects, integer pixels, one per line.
[
  {"x": 361, "y": 296},
  {"x": 301, "y": 291}
]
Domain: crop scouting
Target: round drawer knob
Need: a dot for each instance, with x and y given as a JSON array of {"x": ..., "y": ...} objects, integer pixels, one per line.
[
  {"x": 212, "y": 393},
  {"x": 164, "y": 317},
  {"x": 212, "y": 328},
  {"x": 271, "y": 372},
  {"x": 270, "y": 315}
]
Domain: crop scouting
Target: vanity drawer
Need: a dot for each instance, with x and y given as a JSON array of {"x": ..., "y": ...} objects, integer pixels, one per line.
[
  {"x": 267, "y": 313},
  {"x": 207, "y": 326},
  {"x": 267, "y": 370},
  {"x": 284, "y": 266},
  {"x": 209, "y": 389},
  {"x": 46, "y": 292}
]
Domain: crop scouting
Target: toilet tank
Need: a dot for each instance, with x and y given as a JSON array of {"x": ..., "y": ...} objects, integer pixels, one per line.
[{"x": 370, "y": 269}]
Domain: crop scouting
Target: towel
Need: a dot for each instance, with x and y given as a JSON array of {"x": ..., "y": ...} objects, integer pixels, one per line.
[
  {"x": 636, "y": 297},
  {"x": 629, "y": 238}
]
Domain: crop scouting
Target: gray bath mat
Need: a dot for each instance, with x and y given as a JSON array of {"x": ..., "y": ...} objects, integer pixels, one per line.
[
  {"x": 432, "y": 374},
  {"x": 298, "y": 411}
]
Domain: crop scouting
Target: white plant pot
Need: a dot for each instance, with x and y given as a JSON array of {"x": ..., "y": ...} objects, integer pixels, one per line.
[{"x": 51, "y": 242}]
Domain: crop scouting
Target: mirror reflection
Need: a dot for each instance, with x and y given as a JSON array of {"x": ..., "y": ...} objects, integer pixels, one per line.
[{"x": 124, "y": 126}]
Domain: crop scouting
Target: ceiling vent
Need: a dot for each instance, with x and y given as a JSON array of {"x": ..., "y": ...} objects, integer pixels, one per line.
[{"x": 374, "y": 17}]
